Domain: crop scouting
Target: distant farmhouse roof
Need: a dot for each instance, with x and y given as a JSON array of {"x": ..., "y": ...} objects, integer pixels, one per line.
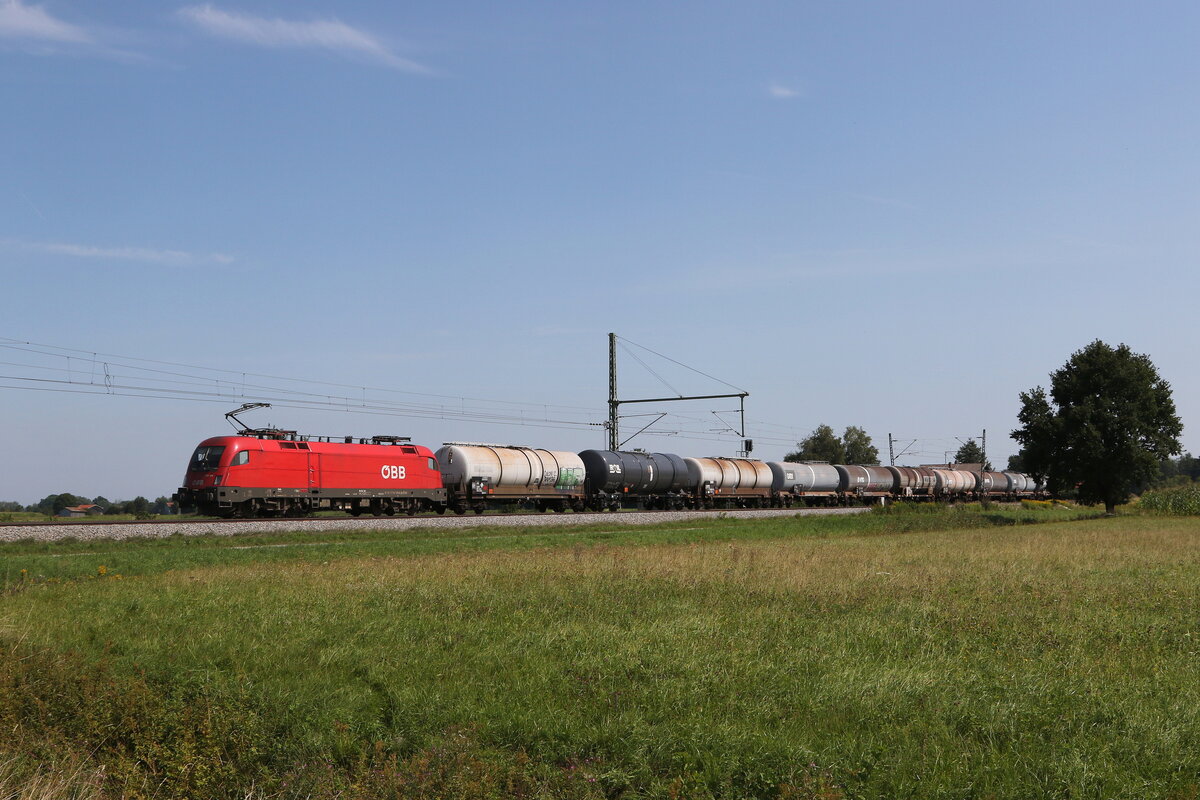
[{"x": 81, "y": 511}]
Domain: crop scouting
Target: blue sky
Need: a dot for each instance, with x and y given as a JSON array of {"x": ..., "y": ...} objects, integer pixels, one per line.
[{"x": 897, "y": 216}]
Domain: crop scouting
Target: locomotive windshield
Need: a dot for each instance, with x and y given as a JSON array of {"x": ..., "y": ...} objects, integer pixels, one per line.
[{"x": 205, "y": 459}]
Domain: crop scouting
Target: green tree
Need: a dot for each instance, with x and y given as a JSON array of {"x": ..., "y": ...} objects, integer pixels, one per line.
[
  {"x": 854, "y": 447},
  {"x": 972, "y": 453},
  {"x": 821, "y": 445},
  {"x": 858, "y": 447},
  {"x": 1107, "y": 422},
  {"x": 138, "y": 507}
]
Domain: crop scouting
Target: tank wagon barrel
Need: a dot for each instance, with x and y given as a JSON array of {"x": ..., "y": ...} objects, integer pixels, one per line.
[
  {"x": 617, "y": 478},
  {"x": 478, "y": 476}
]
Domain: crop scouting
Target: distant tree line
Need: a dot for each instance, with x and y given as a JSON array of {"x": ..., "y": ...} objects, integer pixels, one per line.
[{"x": 53, "y": 504}]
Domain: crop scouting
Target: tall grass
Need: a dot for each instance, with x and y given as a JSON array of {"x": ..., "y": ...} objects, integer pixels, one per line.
[{"x": 1002, "y": 661}]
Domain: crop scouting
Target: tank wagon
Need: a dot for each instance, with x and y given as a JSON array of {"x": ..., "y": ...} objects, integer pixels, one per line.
[
  {"x": 479, "y": 476},
  {"x": 913, "y": 483},
  {"x": 617, "y": 479},
  {"x": 864, "y": 482},
  {"x": 803, "y": 483},
  {"x": 725, "y": 482},
  {"x": 268, "y": 472}
]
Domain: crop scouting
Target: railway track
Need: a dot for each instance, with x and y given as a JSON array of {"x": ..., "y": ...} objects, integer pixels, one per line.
[{"x": 150, "y": 529}]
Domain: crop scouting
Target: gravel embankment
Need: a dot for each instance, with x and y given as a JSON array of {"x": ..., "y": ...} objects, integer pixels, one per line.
[{"x": 85, "y": 531}]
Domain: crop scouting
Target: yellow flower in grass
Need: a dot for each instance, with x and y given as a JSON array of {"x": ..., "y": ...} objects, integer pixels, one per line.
[{"x": 101, "y": 570}]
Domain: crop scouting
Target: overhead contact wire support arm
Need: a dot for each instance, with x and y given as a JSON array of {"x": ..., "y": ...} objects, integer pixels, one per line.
[{"x": 614, "y": 404}]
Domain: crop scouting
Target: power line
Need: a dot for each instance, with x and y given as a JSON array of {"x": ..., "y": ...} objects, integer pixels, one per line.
[{"x": 681, "y": 364}]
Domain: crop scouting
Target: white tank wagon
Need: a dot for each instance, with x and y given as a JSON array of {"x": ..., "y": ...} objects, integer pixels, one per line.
[
  {"x": 794, "y": 482},
  {"x": 953, "y": 482},
  {"x": 478, "y": 476}
]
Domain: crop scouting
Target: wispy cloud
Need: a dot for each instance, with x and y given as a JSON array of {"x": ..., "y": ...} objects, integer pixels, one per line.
[
  {"x": 147, "y": 255},
  {"x": 781, "y": 92},
  {"x": 19, "y": 21},
  {"x": 330, "y": 34}
]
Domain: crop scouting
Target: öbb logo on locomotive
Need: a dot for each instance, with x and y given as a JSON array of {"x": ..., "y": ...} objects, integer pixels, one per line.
[{"x": 268, "y": 472}]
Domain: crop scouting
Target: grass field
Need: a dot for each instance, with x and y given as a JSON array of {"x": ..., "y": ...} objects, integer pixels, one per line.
[{"x": 924, "y": 653}]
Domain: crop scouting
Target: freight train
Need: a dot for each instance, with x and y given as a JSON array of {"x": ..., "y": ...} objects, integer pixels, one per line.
[{"x": 270, "y": 472}]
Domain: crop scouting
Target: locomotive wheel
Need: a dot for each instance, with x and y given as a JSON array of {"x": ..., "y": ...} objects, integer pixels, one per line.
[
  {"x": 356, "y": 511},
  {"x": 411, "y": 511},
  {"x": 441, "y": 510}
]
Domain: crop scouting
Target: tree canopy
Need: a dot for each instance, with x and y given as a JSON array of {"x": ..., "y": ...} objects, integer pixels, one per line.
[
  {"x": 972, "y": 453},
  {"x": 853, "y": 447},
  {"x": 859, "y": 449},
  {"x": 1105, "y": 425}
]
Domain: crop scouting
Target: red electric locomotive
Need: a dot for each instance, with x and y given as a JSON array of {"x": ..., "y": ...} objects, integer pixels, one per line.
[{"x": 269, "y": 472}]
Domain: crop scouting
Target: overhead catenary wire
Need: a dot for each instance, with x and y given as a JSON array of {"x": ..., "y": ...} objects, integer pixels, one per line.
[{"x": 55, "y": 369}]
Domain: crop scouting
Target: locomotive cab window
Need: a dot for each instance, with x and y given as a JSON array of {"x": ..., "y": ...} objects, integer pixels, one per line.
[
  {"x": 243, "y": 457},
  {"x": 206, "y": 459}
]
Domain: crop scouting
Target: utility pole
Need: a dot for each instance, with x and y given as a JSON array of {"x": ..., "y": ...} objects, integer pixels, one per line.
[
  {"x": 613, "y": 403},
  {"x": 891, "y": 452},
  {"x": 983, "y": 448}
]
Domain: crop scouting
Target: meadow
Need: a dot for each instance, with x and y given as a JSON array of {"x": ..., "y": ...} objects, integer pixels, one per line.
[{"x": 918, "y": 653}]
